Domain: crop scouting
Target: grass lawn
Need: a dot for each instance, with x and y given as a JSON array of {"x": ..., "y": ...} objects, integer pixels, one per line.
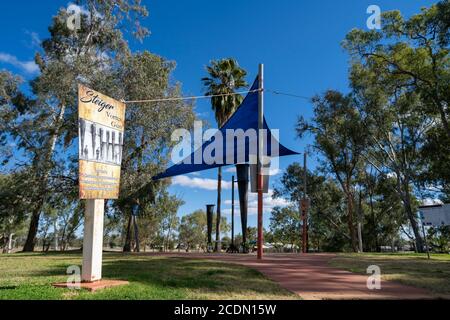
[
  {"x": 412, "y": 269},
  {"x": 29, "y": 276}
]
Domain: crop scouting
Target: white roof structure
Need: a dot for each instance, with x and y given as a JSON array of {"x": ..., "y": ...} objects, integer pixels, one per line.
[{"x": 436, "y": 215}]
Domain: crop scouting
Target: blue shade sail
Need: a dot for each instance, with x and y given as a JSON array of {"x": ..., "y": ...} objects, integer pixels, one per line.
[{"x": 245, "y": 118}]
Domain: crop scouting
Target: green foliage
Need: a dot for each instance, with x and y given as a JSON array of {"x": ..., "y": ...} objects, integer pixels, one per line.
[
  {"x": 192, "y": 231},
  {"x": 44, "y": 125},
  {"x": 409, "y": 61},
  {"x": 285, "y": 225},
  {"x": 326, "y": 214},
  {"x": 341, "y": 137},
  {"x": 439, "y": 239},
  {"x": 225, "y": 76}
]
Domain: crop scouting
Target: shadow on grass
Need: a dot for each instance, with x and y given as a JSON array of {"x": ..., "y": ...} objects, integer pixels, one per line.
[
  {"x": 179, "y": 272},
  {"x": 8, "y": 288},
  {"x": 45, "y": 254}
]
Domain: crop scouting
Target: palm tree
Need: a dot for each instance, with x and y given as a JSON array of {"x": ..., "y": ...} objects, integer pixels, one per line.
[{"x": 225, "y": 77}]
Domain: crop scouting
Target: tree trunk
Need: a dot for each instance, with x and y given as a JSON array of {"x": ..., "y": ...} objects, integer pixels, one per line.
[
  {"x": 34, "y": 223},
  {"x": 375, "y": 246},
  {"x": 218, "y": 247},
  {"x": 127, "y": 245},
  {"x": 136, "y": 235},
  {"x": 413, "y": 221},
  {"x": 360, "y": 222},
  {"x": 32, "y": 230},
  {"x": 7, "y": 242},
  {"x": 351, "y": 226},
  {"x": 442, "y": 113}
]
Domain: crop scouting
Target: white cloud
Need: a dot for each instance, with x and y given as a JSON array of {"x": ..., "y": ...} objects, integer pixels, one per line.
[
  {"x": 26, "y": 66},
  {"x": 430, "y": 202},
  {"x": 73, "y": 7},
  {"x": 391, "y": 175},
  {"x": 35, "y": 39},
  {"x": 269, "y": 203},
  {"x": 273, "y": 171},
  {"x": 199, "y": 183},
  {"x": 231, "y": 169}
]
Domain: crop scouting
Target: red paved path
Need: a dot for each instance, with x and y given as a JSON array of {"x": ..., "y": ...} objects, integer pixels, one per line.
[{"x": 312, "y": 278}]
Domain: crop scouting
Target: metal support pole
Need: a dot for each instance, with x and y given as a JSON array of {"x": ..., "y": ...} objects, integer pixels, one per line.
[
  {"x": 305, "y": 208},
  {"x": 209, "y": 218},
  {"x": 242, "y": 171},
  {"x": 232, "y": 211},
  {"x": 259, "y": 160}
]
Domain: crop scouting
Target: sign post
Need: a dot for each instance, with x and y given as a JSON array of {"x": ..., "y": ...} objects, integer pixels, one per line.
[
  {"x": 101, "y": 132},
  {"x": 93, "y": 241}
]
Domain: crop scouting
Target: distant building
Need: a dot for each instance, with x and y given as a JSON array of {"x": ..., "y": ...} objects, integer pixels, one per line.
[{"x": 436, "y": 215}]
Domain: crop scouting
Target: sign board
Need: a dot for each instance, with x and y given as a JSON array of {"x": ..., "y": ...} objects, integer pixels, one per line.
[
  {"x": 101, "y": 127},
  {"x": 435, "y": 215}
]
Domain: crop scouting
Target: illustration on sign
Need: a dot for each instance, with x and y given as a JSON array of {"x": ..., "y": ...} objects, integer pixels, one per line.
[{"x": 101, "y": 135}]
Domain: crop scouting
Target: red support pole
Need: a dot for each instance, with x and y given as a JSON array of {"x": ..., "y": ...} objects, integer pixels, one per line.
[
  {"x": 260, "y": 216},
  {"x": 259, "y": 160},
  {"x": 305, "y": 231},
  {"x": 304, "y": 209}
]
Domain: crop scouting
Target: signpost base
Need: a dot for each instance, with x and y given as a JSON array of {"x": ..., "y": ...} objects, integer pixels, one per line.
[
  {"x": 93, "y": 241},
  {"x": 94, "y": 286}
]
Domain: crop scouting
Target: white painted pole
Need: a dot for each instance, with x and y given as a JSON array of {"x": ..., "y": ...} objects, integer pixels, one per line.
[{"x": 93, "y": 240}]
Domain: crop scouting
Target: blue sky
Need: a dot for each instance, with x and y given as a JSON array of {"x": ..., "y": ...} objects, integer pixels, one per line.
[{"x": 298, "y": 41}]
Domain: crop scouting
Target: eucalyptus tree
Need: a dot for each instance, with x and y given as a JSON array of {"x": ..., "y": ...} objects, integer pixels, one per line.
[
  {"x": 340, "y": 137},
  {"x": 285, "y": 225},
  {"x": 225, "y": 76},
  {"x": 148, "y": 128},
  {"x": 414, "y": 53},
  {"x": 14, "y": 205},
  {"x": 97, "y": 55},
  {"x": 326, "y": 229},
  {"x": 192, "y": 230},
  {"x": 87, "y": 54},
  {"x": 399, "y": 122},
  {"x": 398, "y": 125}
]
